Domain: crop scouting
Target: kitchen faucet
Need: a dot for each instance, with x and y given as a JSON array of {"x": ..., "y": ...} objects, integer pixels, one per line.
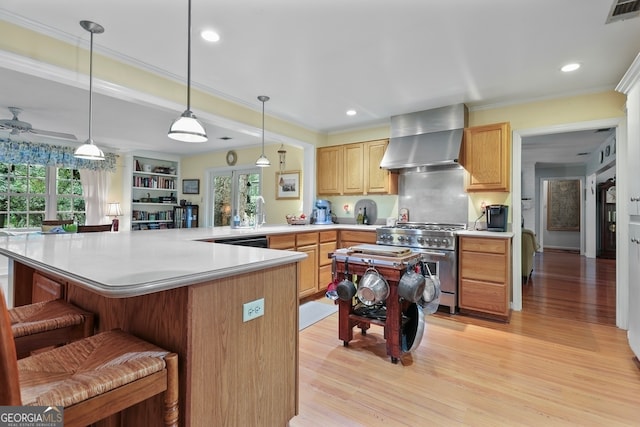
[{"x": 261, "y": 217}]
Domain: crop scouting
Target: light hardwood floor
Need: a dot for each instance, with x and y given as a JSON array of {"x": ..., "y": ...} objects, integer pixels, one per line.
[{"x": 555, "y": 364}]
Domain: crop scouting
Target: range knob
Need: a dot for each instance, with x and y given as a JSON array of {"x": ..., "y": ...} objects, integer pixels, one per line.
[
  {"x": 445, "y": 242},
  {"x": 400, "y": 238},
  {"x": 420, "y": 240}
]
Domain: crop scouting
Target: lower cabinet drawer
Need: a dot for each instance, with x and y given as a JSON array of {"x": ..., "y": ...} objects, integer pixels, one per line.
[
  {"x": 483, "y": 296},
  {"x": 481, "y": 266},
  {"x": 325, "y": 250},
  {"x": 306, "y": 239},
  {"x": 282, "y": 241}
]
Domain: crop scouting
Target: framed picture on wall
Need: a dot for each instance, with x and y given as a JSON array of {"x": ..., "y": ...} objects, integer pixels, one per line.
[
  {"x": 190, "y": 186},
  {"x": 288, "y": 185}
]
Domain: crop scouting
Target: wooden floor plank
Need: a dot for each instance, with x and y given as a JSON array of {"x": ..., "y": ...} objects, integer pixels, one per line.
[{"x": 560, "y": 362}]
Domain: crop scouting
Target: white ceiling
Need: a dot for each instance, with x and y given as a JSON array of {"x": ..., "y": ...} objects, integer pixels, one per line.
[{"x": 318, "y": 58}]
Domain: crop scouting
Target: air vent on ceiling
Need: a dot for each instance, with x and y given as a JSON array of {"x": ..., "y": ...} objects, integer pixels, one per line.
[
  {"x": 225, "y": 138},
  {"x": 623, "y": 9}
]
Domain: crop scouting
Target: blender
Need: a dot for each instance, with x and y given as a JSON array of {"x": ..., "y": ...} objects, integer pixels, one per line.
[{"x": 323, "y": 212}]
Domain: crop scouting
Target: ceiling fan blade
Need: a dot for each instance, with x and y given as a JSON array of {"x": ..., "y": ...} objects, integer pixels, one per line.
[{"x": 51, "y": 134}]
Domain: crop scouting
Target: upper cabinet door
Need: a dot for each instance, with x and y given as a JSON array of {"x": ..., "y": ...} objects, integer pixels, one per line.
[
  {"x": 487, "y": 157},
  {"x": 329, "y": 170},
  {"x": 353, "y": 169},
  {"x": 378, "y": 180}
]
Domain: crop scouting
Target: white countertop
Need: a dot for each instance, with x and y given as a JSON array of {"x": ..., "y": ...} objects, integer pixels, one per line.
[
  {"x": 127, "y": 263},
  {"x": 485, "y": 233}
]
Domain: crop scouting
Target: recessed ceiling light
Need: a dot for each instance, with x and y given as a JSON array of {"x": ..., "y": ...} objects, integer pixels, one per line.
[
  {"x": 210, "y": 35},
  {"x": 570, "y": 67},
  {"x": 351, "y": 112}
]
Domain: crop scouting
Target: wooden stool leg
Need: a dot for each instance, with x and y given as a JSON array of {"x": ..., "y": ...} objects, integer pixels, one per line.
[{"x": 171, "y": 412}]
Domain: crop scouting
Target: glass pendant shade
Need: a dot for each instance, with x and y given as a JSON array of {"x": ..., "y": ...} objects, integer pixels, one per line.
[
  {"x": 89, "y": 151},
  {"x": 263, "y": 162},
  {"x": 187, "y": 128}
]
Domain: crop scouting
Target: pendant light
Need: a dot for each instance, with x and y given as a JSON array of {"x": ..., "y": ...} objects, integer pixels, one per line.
[
  {"x": 89, "y": 150},
  {"x": 262, "y": 161},
  {"x": 187, "y": 128}
]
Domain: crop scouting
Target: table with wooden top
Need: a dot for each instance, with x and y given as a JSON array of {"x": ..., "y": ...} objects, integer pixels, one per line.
[{"x": 391, "y": 268}]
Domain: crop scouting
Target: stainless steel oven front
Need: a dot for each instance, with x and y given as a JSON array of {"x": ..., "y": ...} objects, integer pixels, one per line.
[{"x": 444, "y": 265}]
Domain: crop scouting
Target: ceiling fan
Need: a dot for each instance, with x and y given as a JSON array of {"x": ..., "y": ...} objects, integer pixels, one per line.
[{"x": 17, "y": 126}]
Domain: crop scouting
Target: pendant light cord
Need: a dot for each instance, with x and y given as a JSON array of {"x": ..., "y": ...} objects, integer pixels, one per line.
[
  {"x": 91, "y": 86},
  {"x": 189, "y": 60},
  {"x": 263, "y": 127}
]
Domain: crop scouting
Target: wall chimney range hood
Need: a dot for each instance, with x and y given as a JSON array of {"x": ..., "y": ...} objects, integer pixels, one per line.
[{"x": 426, "y": 138}]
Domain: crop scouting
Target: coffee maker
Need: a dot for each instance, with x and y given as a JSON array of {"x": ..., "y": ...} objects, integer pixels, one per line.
[
  {"x": 497, "y": 216},
  {"x": 322, "y": 213}
]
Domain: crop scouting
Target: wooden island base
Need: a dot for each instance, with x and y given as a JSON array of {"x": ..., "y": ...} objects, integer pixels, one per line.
[{"x": 232, "y": 373}]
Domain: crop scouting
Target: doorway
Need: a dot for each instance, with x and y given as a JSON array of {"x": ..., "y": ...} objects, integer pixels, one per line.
[{"x": 618, "y": 124}]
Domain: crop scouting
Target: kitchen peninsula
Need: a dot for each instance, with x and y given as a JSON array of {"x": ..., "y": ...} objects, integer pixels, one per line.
[{"x": 188, "y": 297}]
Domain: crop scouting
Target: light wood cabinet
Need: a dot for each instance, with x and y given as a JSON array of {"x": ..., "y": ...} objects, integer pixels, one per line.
[
  {"x": 308, "y": 279},
  {"x": 487, "y": 157},
  {"x": 378, "y": 180},
  {"x": 309, "y": 267},
  {"x": 328, "y": 244},
  {"x": 485, "y": 276},
  {"x": 285, "y": 242},
  {"x": 329, "y": 170},
  {"x": 354, "y": 169},
  {"x": 350, "y": 238},
  {"x": 46, "y": 289}
]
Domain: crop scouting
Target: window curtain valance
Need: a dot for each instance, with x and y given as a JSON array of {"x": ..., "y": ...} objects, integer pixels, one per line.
[{"x": 20, "y": 152}]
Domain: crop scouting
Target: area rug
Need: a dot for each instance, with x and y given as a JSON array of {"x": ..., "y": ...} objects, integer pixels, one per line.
[{"x": 312, "y": 312}]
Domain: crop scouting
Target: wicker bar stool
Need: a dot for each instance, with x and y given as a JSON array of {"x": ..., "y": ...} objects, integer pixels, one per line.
[
  {"x": 92, "y": 378},
  {"x": 49, "y": 323}
]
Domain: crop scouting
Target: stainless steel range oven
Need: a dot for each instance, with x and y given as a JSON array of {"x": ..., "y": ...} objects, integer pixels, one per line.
[{"x": 438, "y": 245}]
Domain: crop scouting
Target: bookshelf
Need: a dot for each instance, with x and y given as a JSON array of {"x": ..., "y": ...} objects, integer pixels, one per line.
[{"x": 154, "y": 193}]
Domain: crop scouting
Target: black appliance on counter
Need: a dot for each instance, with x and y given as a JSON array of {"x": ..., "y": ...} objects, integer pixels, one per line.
[
  {"x": 437, "y": 243},
  {"x": 252, "y": 241},
  {"x": 497, "y": 216}
]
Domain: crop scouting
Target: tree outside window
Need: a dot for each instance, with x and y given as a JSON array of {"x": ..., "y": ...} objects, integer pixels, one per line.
[{"x": 25, "y": 190}]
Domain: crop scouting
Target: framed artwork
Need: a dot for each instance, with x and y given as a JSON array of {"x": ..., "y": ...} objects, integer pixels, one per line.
[
  {"x": 563, "y": 205},
  {"x": 288, "y": 185},
  {"x": 190, "y": 186}
]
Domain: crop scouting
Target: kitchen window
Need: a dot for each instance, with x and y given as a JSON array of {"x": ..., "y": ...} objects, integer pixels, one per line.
[
  {"x": 234, "y": 196},
  {"x": 30, "y": 193}
]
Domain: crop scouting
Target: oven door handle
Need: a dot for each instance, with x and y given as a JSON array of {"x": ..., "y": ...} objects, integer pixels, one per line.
[{"x": 442, "y": 254}]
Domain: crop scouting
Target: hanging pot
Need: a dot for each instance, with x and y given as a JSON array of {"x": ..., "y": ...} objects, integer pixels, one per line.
[
  {"x": 346, "y": 289},
  {"x": 411, "y": 285},
  {"x": 332, "y": 288},
  {"x": 372, "y": 287},
  {"x": 412, "y": 327},
  {"x": 430, "y": 300}
]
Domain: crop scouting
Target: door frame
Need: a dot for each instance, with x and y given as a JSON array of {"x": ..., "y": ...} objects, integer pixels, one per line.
[{"x": 622, "y": 228}]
